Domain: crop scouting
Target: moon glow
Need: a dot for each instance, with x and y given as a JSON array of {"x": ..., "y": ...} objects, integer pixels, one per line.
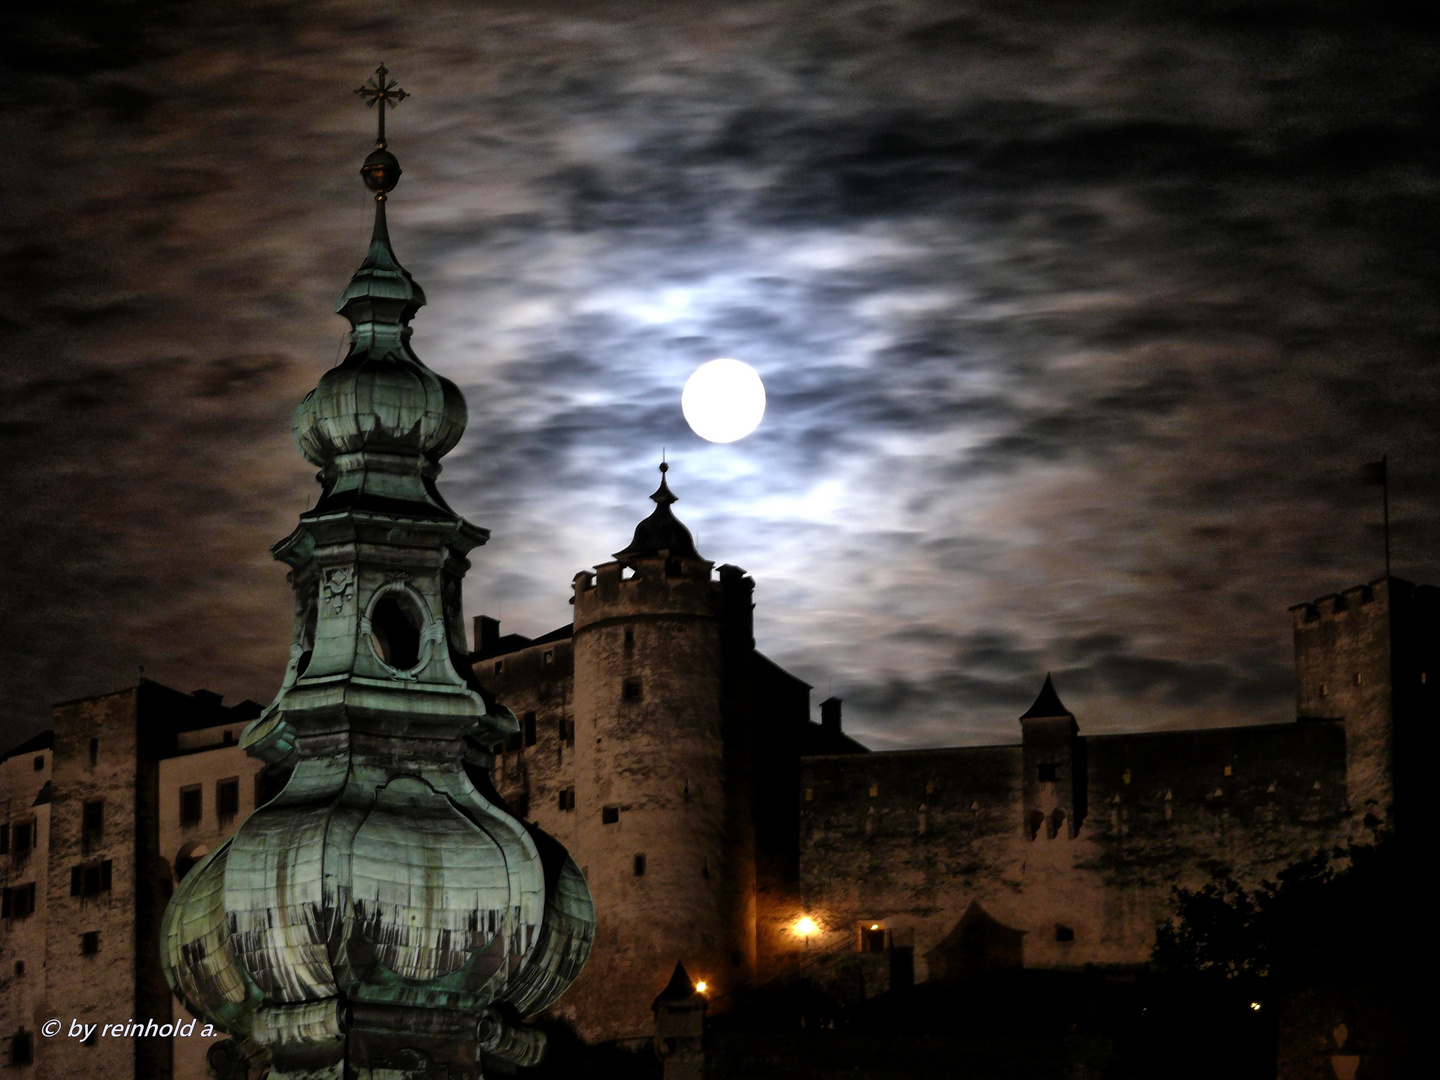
[{"x": 723, "y": 400}]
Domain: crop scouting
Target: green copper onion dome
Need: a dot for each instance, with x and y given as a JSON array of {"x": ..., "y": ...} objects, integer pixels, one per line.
[{"x": 381, "y": 397}]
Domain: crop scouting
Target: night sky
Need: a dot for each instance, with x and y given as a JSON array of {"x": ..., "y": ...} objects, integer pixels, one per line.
[{"x": 1077, "y": 322}]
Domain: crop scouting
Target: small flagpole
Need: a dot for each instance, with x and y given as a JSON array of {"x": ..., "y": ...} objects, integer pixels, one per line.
[{"x": 1385, "y": 502}]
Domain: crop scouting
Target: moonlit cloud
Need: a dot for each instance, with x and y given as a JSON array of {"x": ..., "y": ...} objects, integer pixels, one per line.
[{"x": 1075, "y": 322}]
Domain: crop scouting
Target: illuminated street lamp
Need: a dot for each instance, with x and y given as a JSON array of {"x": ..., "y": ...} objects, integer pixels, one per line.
[{"x": 805, "y": 928}]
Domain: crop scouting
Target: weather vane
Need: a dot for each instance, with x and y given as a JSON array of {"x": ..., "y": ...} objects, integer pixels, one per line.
[{"x": 380, "y": 87}]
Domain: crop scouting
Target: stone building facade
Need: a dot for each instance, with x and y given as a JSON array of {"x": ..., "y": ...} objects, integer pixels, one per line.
[{"x": 102, "y": 814}]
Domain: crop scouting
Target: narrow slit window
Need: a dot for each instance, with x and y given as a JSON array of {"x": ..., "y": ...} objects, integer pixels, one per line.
[
  {"x": 227, "y": 798},
  {"x": 192, "y": 804},
  {"x": 640, "y": 865},
  {"x": 529, "y": 726},
  {"x": 90, "y": 943},
  {"x": 93, "y": 817}
]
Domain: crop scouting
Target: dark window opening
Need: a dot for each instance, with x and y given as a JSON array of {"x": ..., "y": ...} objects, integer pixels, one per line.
[
  {"x": 560, "y": 727},
  {"x": 395, "y": 630},
  {"x": 1064, "y": 933},
  {"x": 1033, "y": 821},
  {"x": 1056, "y": 823},
  {"x": 547, "y": 657},
  {"x": 529, "y": 725},
  {"x": 227, "y": 798},
  {"x": 90, "y": 943},
  {"x": 499, "y": 666},
  {"x": 567, "y": 799},
  {"x": 39, "y": 762},
  {"x": 1049, "y": 773},
  {"x": 5, "y": 839},
  {"x": 19, "y": 967},
  {"x": 94, "y": 751},
  {"x": 192, "y": 805},
  {"x": 90, "y": 879},
  {"x": 18, "y": 901},
  {"x": 227, "y": 739},
  {"x": 630, "y": 690},
  {"x": 872, "y": 938},
  {"x": 609, "y": 815},
  {"x": 92, "y": 816},
  {"x": 640, "y": 865},
  {"x": 570, "y": 733},
  {"x": 23, "y": 836},
  {"x": 629, "y": 637},
  {"x": 21, "y": 1048}
]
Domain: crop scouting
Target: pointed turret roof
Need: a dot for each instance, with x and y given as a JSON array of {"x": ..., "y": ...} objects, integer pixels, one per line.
[
  {"x": 1048, "y": 704},
  {"x": 679, "y": 988},
  {"x": 662, "y": 531}
]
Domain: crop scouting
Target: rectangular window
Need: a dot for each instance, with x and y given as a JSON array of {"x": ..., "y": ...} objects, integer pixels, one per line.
[
  {"x": 94, "y": 751},
  {"x": 92, "y": 817},
  {"x": 192, "y": 804},
  {"x": 560, "y": 727},
  {"x": 5, "y": 839},
  {"x": 629, "y": 637},
  {"x": 630, "y": 690},
  {"x": 1064, "y": 933},
  {"x": 529, "y": 728},
  {"x": 39, "y": 762},
  {"x": 1049, "y": 773},
  {"x": 567, "y": 799},
  {"x": 90, "y": 879},
  {"x": 640, "y": 865},
  {"x": 547, "y": 657},
  {"x": 499, "y": 666},
  {"x": 227, "y": 798},
  {"x": 18, "y": 901},
  {"x": 90, "y": 943},
  {"x": 609, "y": 815},
  {"x": 570, "y": 733},
  {"x": 23, "y": 836},
  {"x": 21, "y": 1052}
]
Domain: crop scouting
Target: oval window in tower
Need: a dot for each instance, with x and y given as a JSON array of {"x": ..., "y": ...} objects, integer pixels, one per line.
[{"x": 395, "y": 622}]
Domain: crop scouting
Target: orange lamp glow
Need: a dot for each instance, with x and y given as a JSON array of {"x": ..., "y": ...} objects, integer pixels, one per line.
[
  {"x": 700, "y": 986},
  {"x": 806, "y": 926}
]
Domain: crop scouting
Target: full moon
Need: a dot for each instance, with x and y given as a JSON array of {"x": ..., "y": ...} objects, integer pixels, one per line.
[{"x": 723, "y": 400}]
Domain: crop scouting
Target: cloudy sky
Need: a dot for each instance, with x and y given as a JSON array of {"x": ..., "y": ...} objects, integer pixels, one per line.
[{"x": 1076, "y": 320}]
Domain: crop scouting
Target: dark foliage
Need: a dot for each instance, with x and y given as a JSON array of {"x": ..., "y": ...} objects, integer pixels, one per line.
[{"x": 1336, "y": 915}]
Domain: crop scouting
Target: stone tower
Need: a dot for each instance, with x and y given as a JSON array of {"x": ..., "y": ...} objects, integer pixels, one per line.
[
  {"x": 1369, "y": 657},
  {"x": 663, "y": 749},
  {"x": 383, "y": 917}
]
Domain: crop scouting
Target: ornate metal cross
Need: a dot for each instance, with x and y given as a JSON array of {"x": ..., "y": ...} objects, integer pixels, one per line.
[{"x": 380, "y": 87}]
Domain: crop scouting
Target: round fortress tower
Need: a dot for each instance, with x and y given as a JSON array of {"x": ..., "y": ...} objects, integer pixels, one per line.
[{"x": 662, "y": 644}]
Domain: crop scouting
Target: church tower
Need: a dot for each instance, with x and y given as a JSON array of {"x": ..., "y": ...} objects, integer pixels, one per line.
[
  {"x": 662, "y": 648},
  {"x": 384, "y": 916}
]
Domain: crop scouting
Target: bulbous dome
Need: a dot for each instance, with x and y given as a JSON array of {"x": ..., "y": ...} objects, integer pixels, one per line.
[
  {"x": 381, "y": 397},
  {"x": 390, "y": 403}
]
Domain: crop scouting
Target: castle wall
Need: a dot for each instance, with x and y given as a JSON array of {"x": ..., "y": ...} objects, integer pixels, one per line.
[
  {"x": 537, "y": 684},
  {"x": 911, "y": 840}
]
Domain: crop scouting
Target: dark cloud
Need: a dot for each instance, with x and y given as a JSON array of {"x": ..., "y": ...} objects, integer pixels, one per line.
[{"x": 1075, "y": 321}]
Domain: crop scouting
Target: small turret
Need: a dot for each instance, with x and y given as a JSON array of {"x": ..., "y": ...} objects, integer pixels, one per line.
[{"x": 1054, "y": 762}]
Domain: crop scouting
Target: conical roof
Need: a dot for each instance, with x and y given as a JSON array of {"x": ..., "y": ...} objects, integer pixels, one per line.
[
  {"x": 679, "y": 988},
  {"x": 661, "y": 532},
  {"x": 1048, "y": 704}
]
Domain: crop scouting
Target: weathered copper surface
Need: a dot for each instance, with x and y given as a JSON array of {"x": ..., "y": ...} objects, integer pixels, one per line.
[{"x": 384, "y": 916}]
